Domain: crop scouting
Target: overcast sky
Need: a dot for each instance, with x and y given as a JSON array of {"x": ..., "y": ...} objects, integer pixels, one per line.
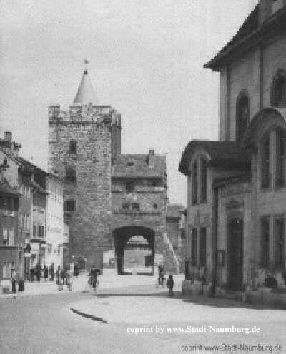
[{"x": 146, "y": 60}]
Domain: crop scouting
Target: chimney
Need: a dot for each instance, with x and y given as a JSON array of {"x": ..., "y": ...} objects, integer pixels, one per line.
[{"x": 151, "y": 158}]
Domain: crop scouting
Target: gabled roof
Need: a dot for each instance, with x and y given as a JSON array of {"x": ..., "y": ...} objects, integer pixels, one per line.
[
  {"x": 85, "y": 93},
  {"x": 225, "y": 154},
  {"x": 250, "y": 33},
  {"x": 136, "y": 166}
]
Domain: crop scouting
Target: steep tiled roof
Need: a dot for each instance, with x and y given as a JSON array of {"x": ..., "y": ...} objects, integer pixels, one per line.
[
  {"x": 136, "y": 166},
  {"x": 250, "y": 33},
  {"x": 222, "y": 154}
]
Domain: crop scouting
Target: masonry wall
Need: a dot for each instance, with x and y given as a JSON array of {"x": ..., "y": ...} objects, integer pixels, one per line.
[{"x": 89, "y": 224}]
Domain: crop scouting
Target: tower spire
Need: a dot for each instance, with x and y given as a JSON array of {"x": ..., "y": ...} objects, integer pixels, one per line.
[{"x": 85, "y": 93}]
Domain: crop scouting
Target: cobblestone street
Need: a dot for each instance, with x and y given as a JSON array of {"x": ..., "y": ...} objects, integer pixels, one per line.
[{"x": 130, "y": 315}]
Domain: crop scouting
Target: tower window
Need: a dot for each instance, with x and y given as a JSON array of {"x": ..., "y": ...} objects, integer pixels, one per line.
[
  {"x": 278, "y": 92},
  {"x": 72, "y": 148},
  {"x": 242, "y": 116},
  {"x": 70, "y": 174},
  {"x": 70, "y": 205},
  {"x": 130, "y": 187}
]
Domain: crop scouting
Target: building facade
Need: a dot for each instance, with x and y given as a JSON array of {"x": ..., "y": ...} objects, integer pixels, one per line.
[
  {"x": 236, "y": 186},
  {"x": 108, "y": 197}
]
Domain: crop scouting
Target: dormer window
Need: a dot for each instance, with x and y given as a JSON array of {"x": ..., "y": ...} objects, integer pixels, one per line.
[{"x": 278, "y": 92}]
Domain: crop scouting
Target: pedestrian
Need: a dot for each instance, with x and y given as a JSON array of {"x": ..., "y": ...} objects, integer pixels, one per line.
[
  {"x": 63, "y": 276},
  {"x": 32, "y": 272},
  {"x": 13, "y": 281},
  {"x": 76, "y": 270},
  {"x": 52, "y": 272},
  {"x": 161, "y": 275},
  {"x": 58, "y": 275},
  {"x": 93, "y": 277},
  {"x": 38, "y": 271},
  {"x": 69, "y": 279},
  {"x": 46, "y": 272},
  {"x": 170, "y": 284}
]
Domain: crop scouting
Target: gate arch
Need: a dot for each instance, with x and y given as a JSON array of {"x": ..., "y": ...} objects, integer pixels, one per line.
[{"x": 124, "y": 238}]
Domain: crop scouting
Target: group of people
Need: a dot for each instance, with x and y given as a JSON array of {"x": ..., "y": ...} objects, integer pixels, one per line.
[{"x": 161, "y": 279}]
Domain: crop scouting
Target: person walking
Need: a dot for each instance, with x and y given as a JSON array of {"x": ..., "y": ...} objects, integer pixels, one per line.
[
  {"x": 38, "y": 271},
  {"x": 46, "y": 272},
  {"x": 170, "y": 285},
  {"x": 161, "y": 275},
  {"x": 52, "y": 272},
  {"x": 93, "y": 277},
  {"x": 58, "y": 275}
]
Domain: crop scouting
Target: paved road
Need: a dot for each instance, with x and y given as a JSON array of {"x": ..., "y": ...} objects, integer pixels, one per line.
[{"x": 153, "y": 323}]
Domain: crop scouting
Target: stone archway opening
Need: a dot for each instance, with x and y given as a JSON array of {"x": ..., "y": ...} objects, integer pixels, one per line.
[{"x": 134, "y": 250}]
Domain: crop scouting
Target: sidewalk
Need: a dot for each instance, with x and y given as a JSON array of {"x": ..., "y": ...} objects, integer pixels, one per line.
[{"x": 109, "y": 283}]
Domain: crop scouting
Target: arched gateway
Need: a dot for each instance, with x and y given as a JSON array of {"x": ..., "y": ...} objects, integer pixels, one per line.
[{"x": 134, "y": 249}]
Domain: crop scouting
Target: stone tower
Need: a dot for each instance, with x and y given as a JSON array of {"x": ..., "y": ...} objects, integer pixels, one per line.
[{"x": 82, "y": 143}]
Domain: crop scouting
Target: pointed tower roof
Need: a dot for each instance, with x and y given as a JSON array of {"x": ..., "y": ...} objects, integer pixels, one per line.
[{"x": 85, "y": 93}]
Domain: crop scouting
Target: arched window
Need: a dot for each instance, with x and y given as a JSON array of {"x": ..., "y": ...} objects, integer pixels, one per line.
[
  {"x": 280, "y": 158},
  {"x": 72, "y": 148},
  {"x": 70, "y": 174},
  {"x": 203, "y": 179},
  {"x": 195, "y": 183},
  {"x": 278, "y": 92},
  {"x": 242, "y": 116},
  {"x": 265, "y": 162}
]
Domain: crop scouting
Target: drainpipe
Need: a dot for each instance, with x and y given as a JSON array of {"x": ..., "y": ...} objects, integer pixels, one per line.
[{"x": 215, "y": 232}]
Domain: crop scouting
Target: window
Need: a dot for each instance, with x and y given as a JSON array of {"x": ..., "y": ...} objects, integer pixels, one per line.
[
  {"x": 203, "y": 181},
  {"x": 125, "y": 206},
  {"x": 278, "y": 92},
  {"x": 155, "y": 206},
  {"x": 281, "y": 159},
  {"x": 265, "y": 240},
  {"x": 41, "y": 231},
  {"x": 34, "y": 230},
  {"x": 135, "y": 206},
  {"x": 242, "y": 116},
  {"x": 70, "y": 174},
  {"x": 194, "y": 247},
  {"x": 273, "y": 159},
  {"x": 279, "y": 232},
  {"x": 203, "y": 246},
  {"x": 72, "y": 147},
  {"x": 130, "y": 187},
  {"x": 265, "y": 162},
  {"x": 11, "y": 238},
  {"x": 195, "y": 183},
  {"x": 70, "y": 205}
]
